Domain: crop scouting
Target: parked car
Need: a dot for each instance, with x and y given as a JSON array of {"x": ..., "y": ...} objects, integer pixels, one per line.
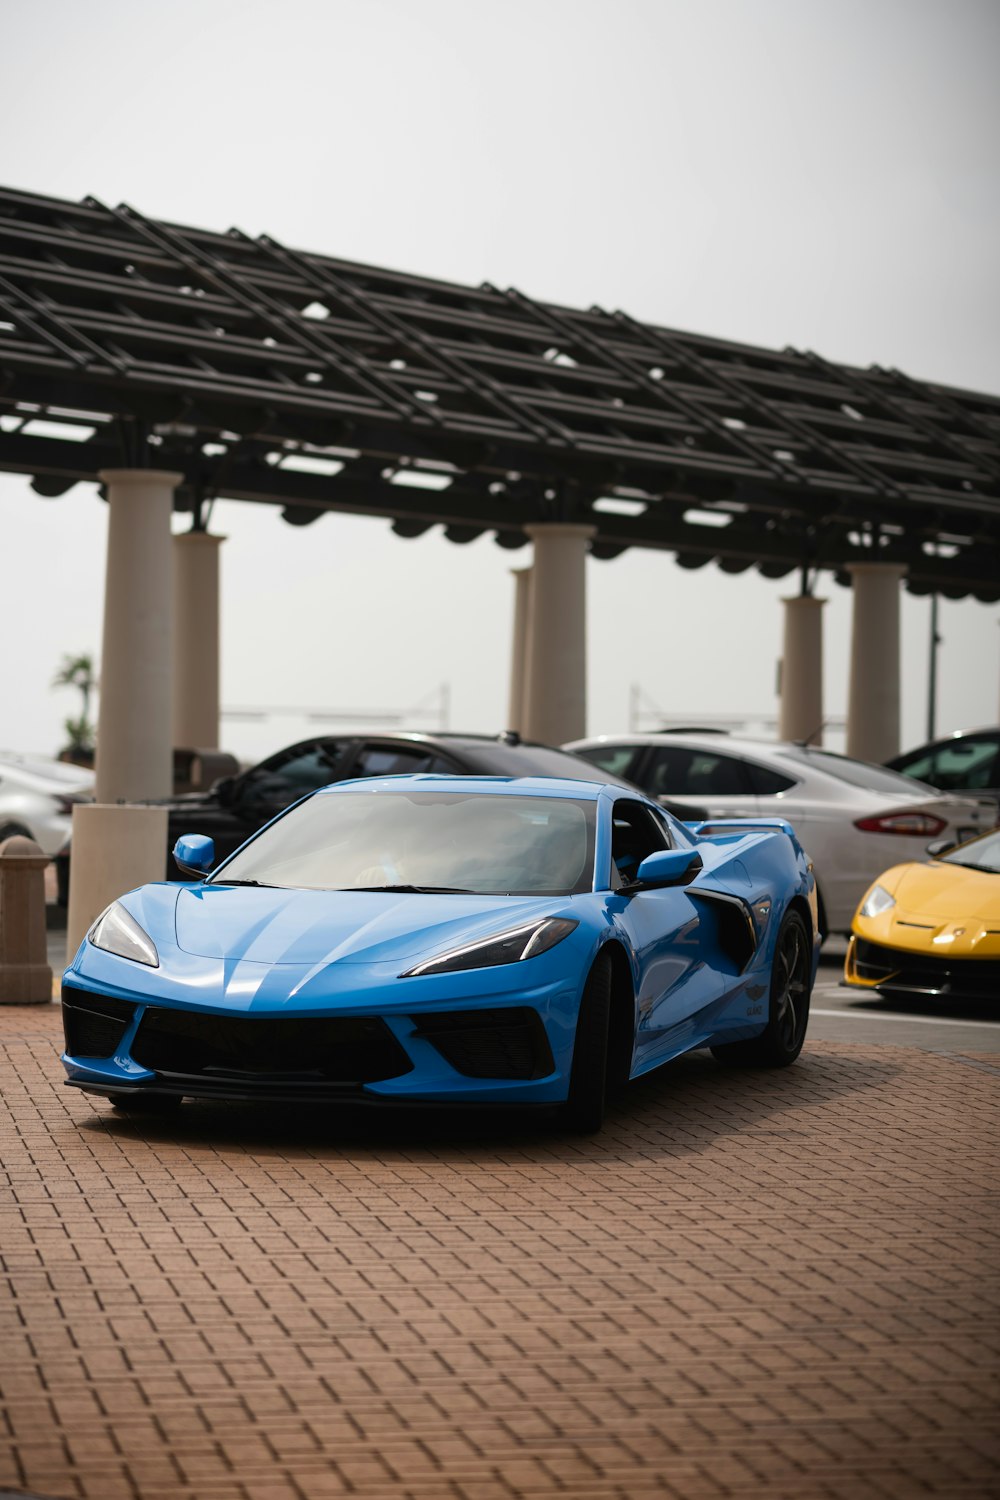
[
  {"x": 854, "y": 819},
  {"x": 966, "y": 761},
  {"x": 238, "y": 805},
  {"x": 932, "y": 929},
  {"x": 456, "y": 940},
  {"x": 37, "y": 797}
]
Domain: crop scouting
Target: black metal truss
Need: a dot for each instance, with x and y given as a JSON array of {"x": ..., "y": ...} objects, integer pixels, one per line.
[{"x": 295, "y": 379}]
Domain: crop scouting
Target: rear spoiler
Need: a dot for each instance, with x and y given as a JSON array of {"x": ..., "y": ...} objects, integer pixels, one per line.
[{"x": 722, "y": 827}]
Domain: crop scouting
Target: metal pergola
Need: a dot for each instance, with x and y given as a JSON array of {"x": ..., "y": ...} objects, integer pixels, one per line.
[{"x": 277, "y": 375}]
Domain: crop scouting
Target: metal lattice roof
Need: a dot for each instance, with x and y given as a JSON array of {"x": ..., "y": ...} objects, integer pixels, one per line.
[{"x": 288, "y": 377}]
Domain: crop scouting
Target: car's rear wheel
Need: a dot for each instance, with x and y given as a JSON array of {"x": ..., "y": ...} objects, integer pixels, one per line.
[
  {"x": 145, "y": 1104},
  {"x": 588, "y": 1079},
  {"x": 13, "y": 830},
  {"x": 788, "y": 1013}
]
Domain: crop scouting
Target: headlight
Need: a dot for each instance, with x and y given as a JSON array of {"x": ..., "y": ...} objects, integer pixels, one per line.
[
  {"x": 117, "y": 931},
  {"x": 508, "y": 947},
  {"x": 876, "y": 902}
]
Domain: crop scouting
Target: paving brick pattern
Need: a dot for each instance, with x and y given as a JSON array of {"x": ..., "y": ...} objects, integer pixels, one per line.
[{"x": 779, "y": 1284}]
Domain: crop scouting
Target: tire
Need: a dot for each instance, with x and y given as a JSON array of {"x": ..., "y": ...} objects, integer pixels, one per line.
[
  {"x": 588, "y": 1079},
  {"x": 145, "y": 1104},
  {"x": 788, "y": 1007},
  {"x": 13, "y": 830}
]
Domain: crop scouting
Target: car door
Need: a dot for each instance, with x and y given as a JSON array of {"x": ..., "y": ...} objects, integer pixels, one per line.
[
  {"x": 712, "y": 782},
  {"x": 674, "y": 975}
]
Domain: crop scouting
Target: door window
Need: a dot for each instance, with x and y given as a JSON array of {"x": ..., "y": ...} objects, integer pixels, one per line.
[
  {"x": 399, "y": 760},
  {"x": 678, "y": 771},
  {"x": 290, "y": 775},
  {"x": 617, "y": 760},
  {"x": 958, "y": 765},
  {"x": 634, "y": 834},
  {"x": 766, "y": 782}
]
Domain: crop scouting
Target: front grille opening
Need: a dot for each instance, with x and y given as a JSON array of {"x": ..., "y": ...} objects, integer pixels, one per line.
[
  {"x": 94, "y": 1025},
  {"x": 263, "y": 1050},
  {"x": 501, "y": 1043},
  {"x": 894, "y": 967}
]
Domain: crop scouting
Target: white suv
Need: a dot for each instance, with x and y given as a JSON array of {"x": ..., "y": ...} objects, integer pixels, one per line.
[{"x": 854, "y": 819}]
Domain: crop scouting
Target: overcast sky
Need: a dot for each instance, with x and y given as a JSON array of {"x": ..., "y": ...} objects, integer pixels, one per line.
[{"x": 821, "y": 173}]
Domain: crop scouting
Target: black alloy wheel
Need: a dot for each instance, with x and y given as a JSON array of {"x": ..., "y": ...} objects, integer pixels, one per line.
[
  {"x": 788, "y": 1013},
  {"x": 588, "y": 1079}
]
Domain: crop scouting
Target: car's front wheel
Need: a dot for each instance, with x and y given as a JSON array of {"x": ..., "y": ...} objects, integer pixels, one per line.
[
  {"x": 588, "y": 1079},
  {"x": 788, "y": 1013}
]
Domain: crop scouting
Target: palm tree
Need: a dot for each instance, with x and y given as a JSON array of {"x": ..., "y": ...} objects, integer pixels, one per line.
[{"x": 79, "y": 672}]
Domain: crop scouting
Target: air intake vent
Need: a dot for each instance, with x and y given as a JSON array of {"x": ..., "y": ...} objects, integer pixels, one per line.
[
  {"x": 490, "y": 1043},
  {"x": 93, "y": 1024},
  {"x": 264, "y": 1050}
]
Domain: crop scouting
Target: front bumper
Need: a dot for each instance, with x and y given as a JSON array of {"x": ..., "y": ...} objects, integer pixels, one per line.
[
  {"x": 896, "y": 973},
  {"x": 511, "y": 1046}
]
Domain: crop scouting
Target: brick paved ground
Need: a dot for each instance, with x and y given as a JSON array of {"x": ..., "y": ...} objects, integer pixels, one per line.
[{"x": 749, "y": 1284}]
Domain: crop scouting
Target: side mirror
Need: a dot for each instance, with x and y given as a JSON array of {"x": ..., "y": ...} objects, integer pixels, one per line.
[
  {"x": 940, "y": 846},
  {"x": 195, "y": 854},
  {"x": 668, "y": 867}
]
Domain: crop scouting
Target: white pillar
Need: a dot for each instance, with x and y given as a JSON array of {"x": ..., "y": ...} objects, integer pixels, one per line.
[
  {"x": 519, "y": 647},
  {"x": 134, "y": 745},
  {"x": 196, "y": 640},
  {"x": 115, "y": 848},
  {"x": 556, "y": 658},
  {"x": 873, "y": 697},
  {"x": 801, "y": 709}
]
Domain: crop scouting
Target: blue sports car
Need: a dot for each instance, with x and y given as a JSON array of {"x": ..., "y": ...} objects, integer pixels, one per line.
[{"x": 445, "y": 939}]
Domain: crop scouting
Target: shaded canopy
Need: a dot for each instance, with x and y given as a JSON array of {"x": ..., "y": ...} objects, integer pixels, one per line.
[{"x": 296, "y": 379}]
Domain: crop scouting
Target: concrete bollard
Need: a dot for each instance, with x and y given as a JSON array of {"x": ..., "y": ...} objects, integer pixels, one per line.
[{"x": 25, "y": 976}]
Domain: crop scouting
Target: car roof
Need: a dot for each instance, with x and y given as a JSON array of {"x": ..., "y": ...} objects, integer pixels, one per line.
[
  {"x": 45, "y": 771},
  {"x": 523, "y": 786},
  {"x": 711, "y": 739}
]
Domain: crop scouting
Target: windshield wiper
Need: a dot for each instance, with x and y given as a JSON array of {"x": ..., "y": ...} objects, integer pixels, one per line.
[
  {"x": 414, "y": 890},
  {"x": 263, "y": 884}
]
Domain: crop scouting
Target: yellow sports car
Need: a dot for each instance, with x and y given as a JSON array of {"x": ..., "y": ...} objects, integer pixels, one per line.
[{"x": 932, "y": 929}]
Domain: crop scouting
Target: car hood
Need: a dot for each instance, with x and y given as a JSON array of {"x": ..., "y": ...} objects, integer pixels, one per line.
[
  {"x": 944, "y": 892},
  {"x": 311, "y": 927}
]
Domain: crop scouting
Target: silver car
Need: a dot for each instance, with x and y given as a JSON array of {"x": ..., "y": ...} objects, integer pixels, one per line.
[
  {"x": 37, "y": 797},
  {"x": 854, "y": 819}
]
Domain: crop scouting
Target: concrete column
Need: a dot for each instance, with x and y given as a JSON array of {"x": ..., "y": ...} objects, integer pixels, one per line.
[
  {"x": 518, "y": 649},
  {"x": 115, "y": 848},
  {"x": 556, "y": 658},
  {"x": 25, "y": 976},
  {"x": 196, "y": 640},
  {"x": 873, "y": 697},
  {"x": 134, "y": 745},
  {"x": 801, "y": 709}
]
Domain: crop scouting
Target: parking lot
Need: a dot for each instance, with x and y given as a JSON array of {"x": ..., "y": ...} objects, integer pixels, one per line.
[{"x": 747, "y": 1284}]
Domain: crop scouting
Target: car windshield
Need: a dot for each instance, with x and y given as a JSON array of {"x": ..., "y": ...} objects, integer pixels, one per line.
[
  {"x": 980, "y": 854},
  {"x": 855, "y": 772},
  {"x": 488, "y": 844}
]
